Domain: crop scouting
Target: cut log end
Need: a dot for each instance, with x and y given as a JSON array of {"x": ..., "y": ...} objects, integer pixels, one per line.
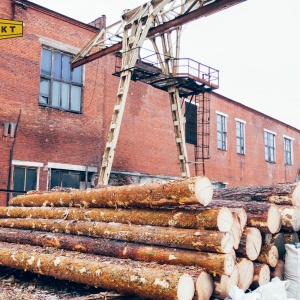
[
  {"x": 274, "y": 219},
  {"x": 253, "y": 243},
  {"x": 203, "y": 190},
  {"x": 296, "y": 196},
  {"x": 204, "y": 286},
  {"x": 273, "y": 256},
  {"x": 264, "y": 275},
  {"x": 185, "y": 288},
  {"x": 229, "y": 264},
  {"x": 227, "y": 243},
  {"x": 236, "y": 231},
  {"x": 246, "y": 272},
  {"x": 225, "y": 219}
]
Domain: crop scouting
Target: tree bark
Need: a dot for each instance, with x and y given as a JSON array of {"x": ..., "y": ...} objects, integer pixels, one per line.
[
  {"x": 222, "y": 283},
  {"x": 268, "y": 255},
  {"x": 208, "y": 218},
  {"x": 202, "y": 240},
  {"x": 236, "y": 231},
  {"x": 260, "y": 193},
  {"x": 192, "y": 190},
  {"x": 250, "y": 243},
  {"x": 291, "y": 238},
  {"x": 290, "y": 216},
  {"x": 100, "y": 272},
  {"x": 261, "y": 275},
  {"x": 246, "y": 273},
  {"x": 261, "y": 215},
  {"x": 214, "y": 262}
]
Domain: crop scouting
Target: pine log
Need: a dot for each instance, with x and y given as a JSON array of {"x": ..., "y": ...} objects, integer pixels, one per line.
[
  {"x": 236, "y": 231},
  {"x": 277, "y": 240},
  {"x": 261, "y": 275},
  {"x": 268, "y": 255},
  {"x": 250, "y": 243},
  {"x": 204, "y": 287},
  {"x": 261, "y": 193},
  {"x": 278, "y": 271},
  {"x": 223, "y": 283},
  {"x": 214, "y": 262},
  {"x": 207, "y": 218},
  {"x": 291, "y": 238},
  {"x": 202, "y": 240},
  {"x": 262, "y": 215},
  {"x": 139, "y": 280},
  {"x": 290, "y": 216},
  {"x": 246, "y": 273},
  {"x": 242, "y": 216},
  {"x": 165, "y": 193}
]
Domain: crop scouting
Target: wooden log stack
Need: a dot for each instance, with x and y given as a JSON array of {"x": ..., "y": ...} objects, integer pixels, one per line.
[{"x": 162, "y": 240}]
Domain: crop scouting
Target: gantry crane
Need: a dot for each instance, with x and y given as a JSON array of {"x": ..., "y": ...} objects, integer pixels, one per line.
[{"x": 159, "y": 21}]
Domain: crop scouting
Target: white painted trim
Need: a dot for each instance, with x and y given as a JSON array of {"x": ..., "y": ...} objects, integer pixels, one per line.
[
  {"x": 192, "y": 102},
  {"x": 52, "y": 165},
  {"x": 269, "y": 131},
  {"x": 27, "y": 163},
  {"x": 288, "y": 137},
  {"x": 58, "y": 45},
  {"x": 239, "y": 120},
  {"x": 222, "y": 114}
]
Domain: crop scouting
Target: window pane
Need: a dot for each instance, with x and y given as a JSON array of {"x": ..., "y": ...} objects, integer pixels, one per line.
[
  {"x": 66, "y": 68},
  {"x": 77, "y": 75},
  {"x": 44, "y": 90},
  {"x": 56, "y": 94},
  {"x": 71, "y": 181},
  {"x": 65, "y": 95},
  {"x": 55, "y": 178},
  {"x": 46, "y": 62},
  {"x": 30, "y": 179},
  {"x": 19, "y": 177},
  {"x": 75, "y": 98},
  {"x": 57, "y": 65}
]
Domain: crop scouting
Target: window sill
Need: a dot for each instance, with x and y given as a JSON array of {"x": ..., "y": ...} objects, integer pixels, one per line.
[
  {"x": 222, "y": 149},
  {"x": 60, "y": 109},
  {"x": 271, "y": 162}
]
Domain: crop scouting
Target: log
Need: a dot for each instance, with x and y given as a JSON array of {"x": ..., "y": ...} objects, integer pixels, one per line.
[
  {"x": 108, "y": 274},
  {"x": 202, "y": 240},
  {"x": 290, "y": 218},
  {"x": 260, "y": 193},
  {"x": 278, "y": 271},
  {"x": 263, "y": 215},
  {"x": 250, "y": 243},
  {"x": 223, "y": 283},
  {"x": 207, "y": 218},
  {"x": 192, "y": 190},
  {"x": 278, "y": 241},
  {"x": 214, "y": 262},
  {"x": 236, "y": 231},
  {"x": 261, "y": 275},
  {"x": 204, "y": 287},
  {"x": 242, "y": 216},
  {"x": 268, "y": 255},
  {"x": 246, "y": 273}
]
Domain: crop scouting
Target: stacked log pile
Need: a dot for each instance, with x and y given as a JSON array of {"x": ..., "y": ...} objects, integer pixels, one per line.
[{"x": 166, "y": 240}]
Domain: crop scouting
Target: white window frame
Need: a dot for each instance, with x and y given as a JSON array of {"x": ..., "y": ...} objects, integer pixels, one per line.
[
  {"x": 285, "y": 137},
  {"x": 30, "y": 164},
  {"x": 226, "y": 131},
  {"x": 244, "y": 133},
  {"x": 274, "y": 134}
]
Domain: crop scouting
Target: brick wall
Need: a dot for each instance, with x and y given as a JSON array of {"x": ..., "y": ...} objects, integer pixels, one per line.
[{"x": 146, "y": 144}]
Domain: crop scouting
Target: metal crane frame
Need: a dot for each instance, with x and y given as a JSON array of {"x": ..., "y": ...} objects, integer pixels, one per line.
[{"x": 156, "y": 20}]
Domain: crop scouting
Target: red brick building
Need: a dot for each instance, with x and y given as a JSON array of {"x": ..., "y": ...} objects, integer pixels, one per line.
[{"x": 55, "y": 122}]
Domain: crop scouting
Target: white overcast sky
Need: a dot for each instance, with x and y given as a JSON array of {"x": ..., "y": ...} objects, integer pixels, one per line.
[{"x": 255, "y": 45}]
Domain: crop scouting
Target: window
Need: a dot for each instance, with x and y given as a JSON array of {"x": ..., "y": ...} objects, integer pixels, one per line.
[
  {"x": 288, "y": 151},
  {"x": 70, "y": 179},
  {"x": 269, "y": 146},
  {"x": 59, "y": 86},
  {"x": 221, "y": 132},
  {"x": 25, "y": 179},
  {"x": 240, "y": 137},
  {"x": 191, "y": 123}
]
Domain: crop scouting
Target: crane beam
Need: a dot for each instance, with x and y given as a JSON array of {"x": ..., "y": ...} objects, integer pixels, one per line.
[{"x": 187, "y": 16}]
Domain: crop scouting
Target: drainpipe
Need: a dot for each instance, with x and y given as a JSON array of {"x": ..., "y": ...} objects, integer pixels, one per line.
[{"x": 11, "y": 153}]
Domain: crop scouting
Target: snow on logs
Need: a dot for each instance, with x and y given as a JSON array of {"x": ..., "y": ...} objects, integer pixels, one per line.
[{"x": 192, "y": 190}]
